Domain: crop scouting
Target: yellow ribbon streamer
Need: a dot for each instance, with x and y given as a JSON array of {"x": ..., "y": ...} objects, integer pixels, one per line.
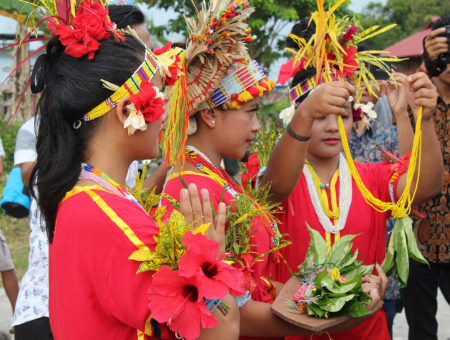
[{"x": 403, "y": 206}]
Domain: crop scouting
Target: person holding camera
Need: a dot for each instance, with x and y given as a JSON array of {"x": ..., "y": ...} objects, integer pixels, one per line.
[{"x": 432, "y": 230}]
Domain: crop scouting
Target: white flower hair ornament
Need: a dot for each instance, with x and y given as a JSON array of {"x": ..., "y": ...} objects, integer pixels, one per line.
[
  {"x": 367, "y": 111},
  {"x": 287, "y": 114}
]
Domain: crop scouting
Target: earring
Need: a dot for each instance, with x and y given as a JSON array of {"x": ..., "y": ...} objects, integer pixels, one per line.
[{"x": 214, "y": 122}]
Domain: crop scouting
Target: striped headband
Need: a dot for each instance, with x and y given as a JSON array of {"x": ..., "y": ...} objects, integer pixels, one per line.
[
  {"x": 309, "y": 84},
  {"x": 145, "y": 71},
  {"x": 235, "y": 83}
]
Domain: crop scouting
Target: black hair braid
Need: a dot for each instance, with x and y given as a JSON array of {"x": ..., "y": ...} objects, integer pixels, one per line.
[{"x": 73, "y": 88}]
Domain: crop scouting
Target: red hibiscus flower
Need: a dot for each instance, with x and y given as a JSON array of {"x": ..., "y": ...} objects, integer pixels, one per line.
[
  {"x": 178, "y": 301},
  {"x": 164, "y": 49},
  {"x": 287, "y": 71},
  {"x": 253, "y": 165},
  {"x": 149, "y": 101},
  {"x": 349, "y": 62},
  {"x": 88, "y": 27},
  {"x": 215, "y": 278},
  {"x": 245, "y": 264}
]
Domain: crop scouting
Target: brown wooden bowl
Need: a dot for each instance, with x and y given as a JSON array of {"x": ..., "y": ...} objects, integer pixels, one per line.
[{"x": 301, "y": 320}]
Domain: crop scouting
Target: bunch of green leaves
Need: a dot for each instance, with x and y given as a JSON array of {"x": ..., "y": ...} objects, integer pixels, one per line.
[
  {"x": 242, "y": 214},
  {"x": 333, "y": 297},
  {"x": 146, "y": 200},
  {"x": 402, "y": 245},
  {"x": 169, "y": 248}
]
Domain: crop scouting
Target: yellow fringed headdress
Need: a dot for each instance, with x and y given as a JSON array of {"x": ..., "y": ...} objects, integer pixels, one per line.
[
  {"x": 333, "y": 48},
  {"x": 217, "y": 70}
]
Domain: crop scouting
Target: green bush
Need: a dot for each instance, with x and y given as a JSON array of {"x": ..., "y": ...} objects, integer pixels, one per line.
[{"x": 8, "y": 135}]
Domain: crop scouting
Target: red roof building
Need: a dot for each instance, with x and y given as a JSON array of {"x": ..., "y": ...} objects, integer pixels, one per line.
[{"x": 411, "y": 48}]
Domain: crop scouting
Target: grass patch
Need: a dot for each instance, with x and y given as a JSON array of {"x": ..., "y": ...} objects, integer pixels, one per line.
[{"x": 17, "y": 234}]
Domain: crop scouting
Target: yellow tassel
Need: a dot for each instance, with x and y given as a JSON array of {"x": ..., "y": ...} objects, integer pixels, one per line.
[
  {"x": 234, "y": 105},
  {"x": 261, "y": 89},
  {"x": 403, "y": 206},
  {"x": 245, "y": 96}
]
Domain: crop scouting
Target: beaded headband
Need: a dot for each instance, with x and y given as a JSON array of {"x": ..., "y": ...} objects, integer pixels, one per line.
[
  {"x": 145, "y": 71},
  {"x": 309, "y": 84},
  {"x": 235, "y": 83}
]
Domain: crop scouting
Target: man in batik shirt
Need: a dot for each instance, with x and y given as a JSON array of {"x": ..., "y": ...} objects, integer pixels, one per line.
[{"x": 433, "y": 231}]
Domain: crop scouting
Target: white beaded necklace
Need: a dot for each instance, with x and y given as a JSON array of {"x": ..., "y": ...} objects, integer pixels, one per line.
[{"x": 345, "y": 197}]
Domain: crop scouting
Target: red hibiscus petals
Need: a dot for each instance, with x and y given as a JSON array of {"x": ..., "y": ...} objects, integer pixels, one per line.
[
  {"x": 287, "y": 71},
  {"x": 177, "y": 300},
  {"x": 88, "y": 27},
  {"x": 145, "y": 100}
]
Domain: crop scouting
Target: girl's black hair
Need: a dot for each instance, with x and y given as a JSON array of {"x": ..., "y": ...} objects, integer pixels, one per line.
[
  {"x": 72, "y": 89},
  {"x": 125, "y": 15}
]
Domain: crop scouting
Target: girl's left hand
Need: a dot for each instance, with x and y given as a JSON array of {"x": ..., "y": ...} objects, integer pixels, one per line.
[
  {"x": 425, "y": 95},
  {"x": 199, "y": 212}
]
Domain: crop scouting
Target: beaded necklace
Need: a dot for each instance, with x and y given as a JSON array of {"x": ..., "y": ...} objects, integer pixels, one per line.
[
  {"x": 201, "y": 162},
  {"x": 92, "y": 173},
  {"x": 321, "y": 207}
]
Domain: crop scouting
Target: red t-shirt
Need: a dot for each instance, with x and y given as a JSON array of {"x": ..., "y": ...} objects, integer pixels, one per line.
[
  {"x": 95, "y": 292},
  {"x": 362, "y": 219}
]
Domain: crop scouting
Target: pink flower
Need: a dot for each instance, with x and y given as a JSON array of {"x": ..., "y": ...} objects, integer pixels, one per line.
[
  {"x": 348, "y": 35},
  {"x": 178, "y": 301},
  {"x": 288, "y": 70},
  {"x": 300, "y": 293},
  {"x": 357, "y": 114},
  {"x": 215, "y": 278}
]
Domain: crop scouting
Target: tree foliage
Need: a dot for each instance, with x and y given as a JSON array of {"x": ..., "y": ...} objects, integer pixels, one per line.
[
  {"x": 267, "y": 22},
  {"x": 410, "y": 16}
]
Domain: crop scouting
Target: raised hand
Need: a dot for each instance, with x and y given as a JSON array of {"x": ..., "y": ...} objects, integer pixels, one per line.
[
  {"x": 397, "y": 95},
  {"x": 422, "y": 93},
  {"x": 328, "y": 98},
  {"x": 198, "y": 211},
  {"x": 435, "y": 45}
]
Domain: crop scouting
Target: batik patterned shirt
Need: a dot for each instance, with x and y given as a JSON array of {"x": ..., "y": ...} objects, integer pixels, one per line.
[
  {"x": 367, "y": 148},
  {"x": 433, "y": 232}
]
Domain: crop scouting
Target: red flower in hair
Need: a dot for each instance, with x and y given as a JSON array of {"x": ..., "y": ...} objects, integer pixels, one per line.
[
  {"x": 349, "y": 61},
  {"x": 149, "y": 101},
  {"x": 287, "y": 71},
  {"x": 178, "y": 301},
  {"x": 88, "y": 27},
  {"x": 169, "y": 62}
]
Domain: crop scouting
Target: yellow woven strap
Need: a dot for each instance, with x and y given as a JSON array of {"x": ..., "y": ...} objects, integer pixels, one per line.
[
  {"x": 403, "y": 206},
  {"x": 117, "y": 220},
  {"x": 145, "y": 71},
  {"x": 132, "y": 237}
]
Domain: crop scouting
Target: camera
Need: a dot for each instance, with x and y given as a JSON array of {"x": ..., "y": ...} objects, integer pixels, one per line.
[{"x": 444, "y": 58}]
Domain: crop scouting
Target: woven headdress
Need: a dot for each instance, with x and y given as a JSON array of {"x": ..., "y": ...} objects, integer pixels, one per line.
[
  {"x": 332, "y": 52},
  {"x": 217, "y": 70}
]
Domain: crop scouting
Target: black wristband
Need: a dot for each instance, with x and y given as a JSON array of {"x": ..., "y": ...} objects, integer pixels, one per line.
[{"x": 297, "y": 137}]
